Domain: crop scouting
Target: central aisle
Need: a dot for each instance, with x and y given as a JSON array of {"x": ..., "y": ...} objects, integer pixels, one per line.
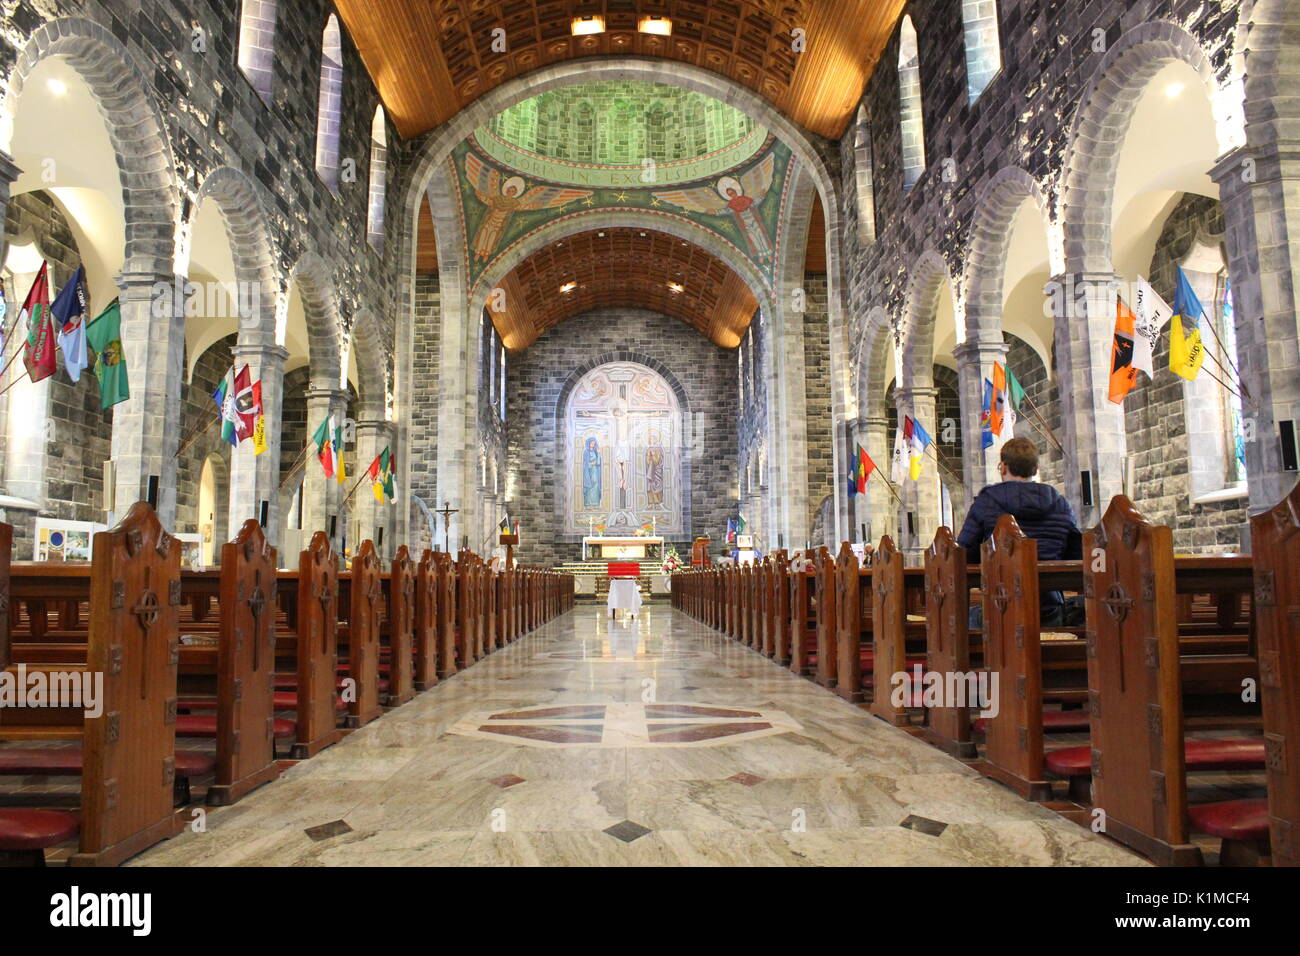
[{"x": 649, "y": 742}]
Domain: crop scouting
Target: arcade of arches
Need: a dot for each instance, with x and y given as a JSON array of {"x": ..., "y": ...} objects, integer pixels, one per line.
[{"x": 615, "y": 278}]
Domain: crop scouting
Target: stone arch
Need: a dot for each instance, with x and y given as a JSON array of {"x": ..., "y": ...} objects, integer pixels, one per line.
[
  {"x": 560, "y": 229},
  {"x": 367, "y": 344},
  {"x": 243, "y": 212},
  {"x": 320, "y": 304},
  {"x": 871, "y": 363},
  {"x": 144, "y": 153},
  {"x": 919, "y": 311},
  {"x": 990, "y": 239},
  {"x": 1101, "y": 123}
]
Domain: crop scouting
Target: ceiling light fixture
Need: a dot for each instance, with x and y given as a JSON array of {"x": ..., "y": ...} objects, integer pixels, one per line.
[
  {"x": 1175, "y": 90},
  {"x": 674, "y": 287},
  {"x": 586, "y": 26},
  {"x": 658, "y": 25},
  {"x": 57, "y": 87},
  {"x": 568, "y": 287}
]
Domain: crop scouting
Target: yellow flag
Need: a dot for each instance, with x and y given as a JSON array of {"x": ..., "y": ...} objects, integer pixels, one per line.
[
  {"x": 377, "y": 488},
  {"x": 259, "y": 435},
  {"x": 1186, "y": 353}
]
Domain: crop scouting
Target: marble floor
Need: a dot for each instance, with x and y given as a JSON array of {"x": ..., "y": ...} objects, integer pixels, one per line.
[{"x": 646, "y": 742}]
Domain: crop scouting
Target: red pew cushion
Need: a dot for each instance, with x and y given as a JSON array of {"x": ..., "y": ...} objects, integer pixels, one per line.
[
  {"x": 35, "y": 829},
  {"x": 288, "y": 700},
  {"x": 1055, "y": 720},
  {"x": 1232, "y": 819},
  {"x": 205, "y": 725},
  {"x": 1238, "y": 753},
  {"x": 66, "y": 762}
]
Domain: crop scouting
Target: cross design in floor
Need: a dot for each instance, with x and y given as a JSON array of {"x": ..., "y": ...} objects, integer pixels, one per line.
[{"x": 667, "y": 724}]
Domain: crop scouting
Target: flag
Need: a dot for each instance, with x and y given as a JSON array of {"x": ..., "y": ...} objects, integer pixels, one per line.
[
  {"x": 731, "y": 530},
  {"x": 224, "y": 396},
  {"x": 1015, "y": 390},
  {"x": 1150, "y": 314},
  {"x": 69, "y": 312},
  {"x": 105, "y": 336},
  {"x": 865, "y": 467},
  {"x": 504, "y": 526},
  {"x": 245, "y": 407},
  {"x": 38, "y": 354},
  {"x": 986, "y": 429},
  {"x": 740, "y": 523},
  {"x": 853, "y": 480},
  {"x": 898, "y": 468},
  {"x": 998, "y": 400},
  {"x": 324, "y": 446},
  {"x": 1186, "y": 353},
  {"x": 4, "y": 310},
  {"x": 259, "y": 429},
  {"x": 381, "y": 477},
  {"x": 340, "y": 469},
  {"x": 1123, "y": 376},
  {"x": 918, "y": 440}
]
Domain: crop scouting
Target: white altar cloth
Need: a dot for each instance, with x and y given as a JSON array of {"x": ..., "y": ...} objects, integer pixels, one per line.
[{"x": 624, "y": 594}]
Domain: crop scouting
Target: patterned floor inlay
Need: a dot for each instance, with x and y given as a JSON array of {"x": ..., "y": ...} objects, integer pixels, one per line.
[
  {"x": 627, "y": 725},
  {"x": 653, "y": 742}
]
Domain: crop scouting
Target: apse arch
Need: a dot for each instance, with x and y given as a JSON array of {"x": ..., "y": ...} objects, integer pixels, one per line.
[
  {"x": 871, "y": 373},
  {"x": 145, "y": 161},
  {"x": 367, "y": 348},
  {"x": 675, "y": 463},
  {"x": 1102, "y": 121},
  {"x": 558, "y": 230},
  {"x": 921, "y": 310}
]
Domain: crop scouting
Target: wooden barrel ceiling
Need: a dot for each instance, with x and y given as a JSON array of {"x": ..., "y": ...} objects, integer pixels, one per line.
[
  {"x": 623, "y": 267},
  {"x": 432, "y": 58}
]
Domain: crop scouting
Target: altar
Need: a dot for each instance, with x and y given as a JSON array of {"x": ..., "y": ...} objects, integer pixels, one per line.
[{"x": 622, "y": 548}]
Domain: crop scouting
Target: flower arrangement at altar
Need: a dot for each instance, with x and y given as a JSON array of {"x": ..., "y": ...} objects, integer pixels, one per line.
[{"x": 672, "y": 560}]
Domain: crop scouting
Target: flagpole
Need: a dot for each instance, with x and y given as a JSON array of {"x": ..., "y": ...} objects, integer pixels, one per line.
[
  {"x": 890, "y": 485},
  {"x": 1046, "y": 429},
  {"x": 195, "y": 432},
  {"x": 292, "y": 468},
  {"x": 1219, "y": 342},
  {"x": 364, "y": 475},
  {"x": 14, "y": 382}
]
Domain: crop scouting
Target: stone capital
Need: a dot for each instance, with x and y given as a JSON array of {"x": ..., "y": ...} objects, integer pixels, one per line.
[
  {"x": 979, "y": 352},
  {"x": 332, "y": 395},
  {"x": 265, "y": 354},
  {"x": 9, "y": 172}
]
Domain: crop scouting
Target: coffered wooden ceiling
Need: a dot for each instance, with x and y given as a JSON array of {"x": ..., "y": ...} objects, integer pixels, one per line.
[
  {"x": 431, "y": 58},
  {"x": 624, "y": 267}
]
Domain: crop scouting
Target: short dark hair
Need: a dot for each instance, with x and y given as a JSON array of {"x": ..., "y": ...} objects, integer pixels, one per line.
[{"x": 1021, "y": 457}]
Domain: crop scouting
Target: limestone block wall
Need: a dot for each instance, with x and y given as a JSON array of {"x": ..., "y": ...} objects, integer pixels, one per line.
[{"x": 537, "y": 374}]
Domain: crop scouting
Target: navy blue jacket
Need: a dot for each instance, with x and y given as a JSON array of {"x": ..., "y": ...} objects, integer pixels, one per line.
[{"x": 1041, "y": 511}]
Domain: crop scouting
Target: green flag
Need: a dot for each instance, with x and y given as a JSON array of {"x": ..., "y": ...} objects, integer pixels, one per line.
[
  {"x": 104, "y": 335},
  {"x": 1015, "y": 388}
]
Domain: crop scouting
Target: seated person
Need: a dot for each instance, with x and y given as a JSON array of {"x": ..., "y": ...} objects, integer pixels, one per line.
[{"x": 1042, "y": 513}]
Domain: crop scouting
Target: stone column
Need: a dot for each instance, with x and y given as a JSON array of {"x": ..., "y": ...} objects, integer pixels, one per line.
[
  {"x": 321, "y": 496},
  {"x": 373, "y": 436},
  {"x": 877, "y": 508},
  {"x": 147, "y": 426},
  {"x": 920, "y": 497},
  {"x": 9, "y": 173},
  {"x": 975, "y": 360},
  {"x": 256, "y": 478},
  {"x": 1262, "y": 217},
  {"x": 1094, "y": 439}
]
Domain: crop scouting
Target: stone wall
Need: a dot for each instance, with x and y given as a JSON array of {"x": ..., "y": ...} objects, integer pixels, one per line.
[
  {"x": 199, "y": 408},
  {"x": 427, "y": 339},
  {"x": 77, "y": 439},
  {"x": 537, "y": 375},
  {"x": 817, "y": 396}
]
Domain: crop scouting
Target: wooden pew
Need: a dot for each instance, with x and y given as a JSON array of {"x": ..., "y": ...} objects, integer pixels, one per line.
[
  {"x": 425, "y": 628},
  {"x": 898, "y": 643},
  {"x": 948, "y": 640},
  {"x": 307, "y": 648},
  {"x": 127, "y": 759},
  {"x": 235, "y": 675},
  {"x": 803, "y": 618},
  {"x": 827, "y": 632},
  {"x": 852, "y": 620},
  {"x": 448, "y": 592},
  {"x": 782, "y": 622},
  {"x": 466, "y": 609},
  {"x": 1137, "y": 678},
  {"x": 359, "y": 611},
  {"x": 398, "y": 629}
]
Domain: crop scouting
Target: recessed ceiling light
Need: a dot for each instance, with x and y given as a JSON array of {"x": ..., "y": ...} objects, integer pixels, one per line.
[
  {"x": 674, "y": 287},
  {"x": 57, "y": 87},
  {"x": 585, "y": 26},
  {"x": 660, "y": 25},
  {"x": 1175, "y": 90},
  {"x": 568, "y": 287}
]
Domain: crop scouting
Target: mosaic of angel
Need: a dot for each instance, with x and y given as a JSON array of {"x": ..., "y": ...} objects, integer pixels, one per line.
[
  {"x": 506, "y": 195},
  {"x": 739, "y": 197}
]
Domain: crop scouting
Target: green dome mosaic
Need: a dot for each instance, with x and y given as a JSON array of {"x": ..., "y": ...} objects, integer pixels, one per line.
[{"x": 603, "y": 133}]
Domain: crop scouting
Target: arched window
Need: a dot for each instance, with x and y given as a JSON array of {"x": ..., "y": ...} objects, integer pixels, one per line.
[
  {"x": 378, "y": 180},
  {"x": 911, "y": 120},
  {"x": 257, "y": 44},
  {"x": 329, "y": 109},
  {"x": 983, "y": 48},
  {"x": 864, "y": 173}
]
